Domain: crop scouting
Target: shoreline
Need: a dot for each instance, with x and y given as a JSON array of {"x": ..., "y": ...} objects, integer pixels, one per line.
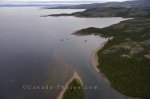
[
  {"x": 95, "y": 63},
  {"x": 74, "y": 76}
]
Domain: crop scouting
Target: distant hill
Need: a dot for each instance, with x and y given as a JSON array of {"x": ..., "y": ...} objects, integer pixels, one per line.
[
  {"x": 128, "y": 9},
  {"x": 108, "y": 4},
  {"x": 133, "y": 12},
  {"x": 31, "y": 4},
  {"x": 115, "y": 12}
]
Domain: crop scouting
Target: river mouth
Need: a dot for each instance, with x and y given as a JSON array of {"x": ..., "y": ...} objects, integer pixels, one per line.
[{"x": 28, "y": 43}]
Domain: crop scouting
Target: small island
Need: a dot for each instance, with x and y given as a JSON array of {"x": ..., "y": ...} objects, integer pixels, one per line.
[{"x": 73, "y": 88}]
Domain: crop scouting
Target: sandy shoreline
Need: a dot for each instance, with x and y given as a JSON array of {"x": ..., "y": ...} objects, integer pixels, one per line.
[
  {"x": 94, "y": 60},
  {"x": 75, "y": 76}
]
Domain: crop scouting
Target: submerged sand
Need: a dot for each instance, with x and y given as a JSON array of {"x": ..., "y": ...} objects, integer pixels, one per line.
[{"x": 75, "y": 75}]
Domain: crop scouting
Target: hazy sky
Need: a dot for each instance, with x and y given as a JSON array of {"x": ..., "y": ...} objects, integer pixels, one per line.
[{"x": 61, "y": 0}]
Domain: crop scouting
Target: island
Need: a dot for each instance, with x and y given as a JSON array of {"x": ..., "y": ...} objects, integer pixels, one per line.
[
  {"x": 74, "y": 91},
  {"x": 73, "y": 88}
]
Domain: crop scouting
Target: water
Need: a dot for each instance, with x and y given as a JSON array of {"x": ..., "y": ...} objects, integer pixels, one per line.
[{"x": 27, "y": 46}]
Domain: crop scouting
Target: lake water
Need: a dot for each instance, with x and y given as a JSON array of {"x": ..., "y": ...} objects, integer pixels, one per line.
[{"x": 27, "y": 46}]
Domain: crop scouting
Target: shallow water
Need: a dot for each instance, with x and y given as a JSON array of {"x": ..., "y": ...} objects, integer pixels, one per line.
[{"x": 27, "y": 46}]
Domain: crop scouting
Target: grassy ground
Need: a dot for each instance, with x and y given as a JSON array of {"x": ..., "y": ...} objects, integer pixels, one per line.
[
  {"x": 125, "y": 59},
  {"x": 74, "y": 91}
]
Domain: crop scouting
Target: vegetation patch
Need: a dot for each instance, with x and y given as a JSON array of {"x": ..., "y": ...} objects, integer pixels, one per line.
[{"x": 74, "y": 90}]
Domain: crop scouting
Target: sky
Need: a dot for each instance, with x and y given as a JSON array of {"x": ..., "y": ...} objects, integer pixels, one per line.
[{"x": 60, "y": 0}]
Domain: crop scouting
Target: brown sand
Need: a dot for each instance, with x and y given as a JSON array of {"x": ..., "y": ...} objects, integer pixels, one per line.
[{"x": 94, "y": 61}]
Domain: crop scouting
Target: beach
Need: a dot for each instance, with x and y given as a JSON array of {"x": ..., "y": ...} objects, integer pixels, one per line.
[{"x": 94, "y": 60}]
